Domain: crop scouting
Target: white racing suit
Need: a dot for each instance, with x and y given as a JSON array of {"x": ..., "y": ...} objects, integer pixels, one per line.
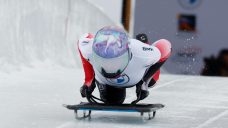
[{"x": 142, "y": 69}]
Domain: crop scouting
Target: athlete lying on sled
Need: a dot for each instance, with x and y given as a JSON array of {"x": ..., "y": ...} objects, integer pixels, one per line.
[{"x": 113, "y": 62}]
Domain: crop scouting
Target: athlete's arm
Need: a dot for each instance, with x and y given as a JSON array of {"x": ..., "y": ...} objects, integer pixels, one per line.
[
  {"x": 164, "y": 47},
  {"x": 147, "y": 54},
  {"x": 85, "y": 48},
  {"x": 156, "y": 55}
]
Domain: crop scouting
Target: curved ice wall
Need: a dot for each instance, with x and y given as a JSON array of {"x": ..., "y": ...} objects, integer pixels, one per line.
[{"x": 45, "y": 30}]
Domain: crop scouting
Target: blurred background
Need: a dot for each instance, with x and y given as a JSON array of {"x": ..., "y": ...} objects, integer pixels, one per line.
[
  {"x": 196, "y": 28},
  {"x": 40, "y": 67},
  {"x": 46, "y": 31}
]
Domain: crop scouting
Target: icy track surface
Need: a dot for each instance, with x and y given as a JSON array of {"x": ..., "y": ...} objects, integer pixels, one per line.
[{"x": 33, "y": 98}]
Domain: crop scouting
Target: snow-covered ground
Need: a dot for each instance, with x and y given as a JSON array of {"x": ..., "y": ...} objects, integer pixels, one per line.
[
  {"x": 33, "y": 98},
  {"x": 45, "y": 30},
  {"x": 40, "y": 71}
]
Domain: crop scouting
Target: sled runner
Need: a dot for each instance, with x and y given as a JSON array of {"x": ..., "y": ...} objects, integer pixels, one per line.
[{"x": 87, "y": 109}]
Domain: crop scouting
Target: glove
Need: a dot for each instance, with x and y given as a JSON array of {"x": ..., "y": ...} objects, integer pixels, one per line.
[
  {"x": 142, "y": 37},
  {"x": 86, "y": 91},
  {"x": 141, "y": 92}
]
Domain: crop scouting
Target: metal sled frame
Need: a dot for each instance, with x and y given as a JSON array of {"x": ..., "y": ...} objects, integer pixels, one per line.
[
  {"x": 93, "y": 101},
  {"x": 150, "y": 116},
  {"x": 87, "y": 110}
]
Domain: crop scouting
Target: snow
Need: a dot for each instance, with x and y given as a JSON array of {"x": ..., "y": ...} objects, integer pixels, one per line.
[
  {"x": 33, "y": 97},
  {"x": 45, "y": 30},
  {"x": 39, "y": 73}
]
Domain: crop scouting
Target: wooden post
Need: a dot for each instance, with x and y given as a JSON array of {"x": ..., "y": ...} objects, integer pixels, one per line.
[{"x": 126, "y": 13}]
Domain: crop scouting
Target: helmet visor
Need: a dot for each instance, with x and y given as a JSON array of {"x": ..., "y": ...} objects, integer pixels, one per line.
[{"x": 111, "y": 67}]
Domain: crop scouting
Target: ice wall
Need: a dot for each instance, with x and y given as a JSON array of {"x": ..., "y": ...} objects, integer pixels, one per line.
[{"x": 34, "y": 31}]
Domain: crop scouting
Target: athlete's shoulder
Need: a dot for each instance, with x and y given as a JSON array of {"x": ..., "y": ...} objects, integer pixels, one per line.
[
  {"x": 85, "y": 39},
  {"x": 85, "y": 45},
  {"x": 144, "y": 50}
]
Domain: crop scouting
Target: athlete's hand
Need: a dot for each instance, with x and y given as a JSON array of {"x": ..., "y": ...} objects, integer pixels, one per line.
[
  {"x": 86, "y": 91},
  {"x": 141, "y": 92}
]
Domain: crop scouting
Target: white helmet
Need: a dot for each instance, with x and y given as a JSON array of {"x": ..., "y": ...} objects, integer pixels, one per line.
[{"x": 111, "y": 53}]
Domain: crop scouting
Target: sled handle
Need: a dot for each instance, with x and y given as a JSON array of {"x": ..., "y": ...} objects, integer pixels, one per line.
[{"x": 92, "y": 99}]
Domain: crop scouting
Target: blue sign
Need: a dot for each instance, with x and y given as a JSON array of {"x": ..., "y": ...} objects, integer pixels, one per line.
[{"x": 190, "y": 4}]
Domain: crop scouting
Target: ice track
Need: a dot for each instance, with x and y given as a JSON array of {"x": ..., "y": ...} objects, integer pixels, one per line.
[{"x": 34, "y": 98}]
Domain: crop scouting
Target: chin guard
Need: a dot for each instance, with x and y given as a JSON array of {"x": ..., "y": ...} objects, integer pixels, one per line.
[{"x": 110, "y": 75}]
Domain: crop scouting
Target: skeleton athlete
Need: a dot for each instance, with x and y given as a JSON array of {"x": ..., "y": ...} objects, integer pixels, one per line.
[{"x": 113, "y": 62}]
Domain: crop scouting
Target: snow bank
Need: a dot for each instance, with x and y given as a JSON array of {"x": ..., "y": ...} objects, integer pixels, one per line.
[{"x": 44, "y": 31}]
